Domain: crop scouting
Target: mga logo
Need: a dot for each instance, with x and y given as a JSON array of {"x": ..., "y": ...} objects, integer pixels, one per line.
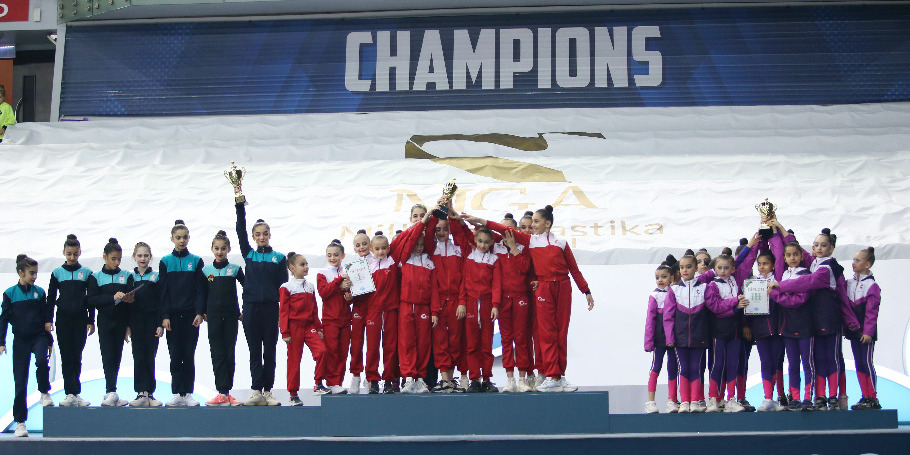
[
  {"x": 275, "y": 259},
  {"x": 81, "y": 275},
  {"x": 541, "y": 299},
  {"x": 424, "y": 316},
  {"x": 522, "y": 303},
  {"x": 357, "y": 316},
  {"x": 189, "y": 267}
]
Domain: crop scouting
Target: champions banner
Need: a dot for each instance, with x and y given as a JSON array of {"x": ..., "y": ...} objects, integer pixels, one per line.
[{"x": 796, "y": 55}]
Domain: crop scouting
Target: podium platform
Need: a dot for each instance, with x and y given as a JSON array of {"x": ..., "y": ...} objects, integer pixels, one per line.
[{"x": 528, "y": 423}]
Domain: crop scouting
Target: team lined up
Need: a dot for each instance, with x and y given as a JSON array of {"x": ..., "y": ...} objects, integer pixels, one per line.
[
  {"x": 441, "y": 295},
  {"x": 812, "y": 306}
]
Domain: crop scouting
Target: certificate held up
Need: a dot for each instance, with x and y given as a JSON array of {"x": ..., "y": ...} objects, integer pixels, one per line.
[{"x": 360, "y": 276}]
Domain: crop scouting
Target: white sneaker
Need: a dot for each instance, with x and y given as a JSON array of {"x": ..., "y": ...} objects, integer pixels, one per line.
[
  {"x": 21, "y": 431},
  {"x": 270, "y": 399},
  {"x": 538, "y": 380},
  {"x": 188, "y": 400},
  {"x": 734, "y": 406},
  {"x": 141, "y": 401},
  {"x": 408, "y": 386},
  {"x": 510, "y": 387},
  {"x": 672, "y": 407},
  {"x": 177, "y": 400},
  {"x": 81, "y": 402},
  {"x": 524, "y": 384},
  {"x": 154, "y": 403},
  {"x": 767, "y": 405},
  {"x": 550, "y": 385},
  {"x": 355, "y": 385},
  {"x": 420, "y": 386},
  {"x": 111, "y": 399},
  {"x": 698, "y": 406},
  {"x": 651, "y": 407},
  {"x": 337, "y": 390},
  {"x": 255, "y": 399},
  {"x": 712, "y": 405},
  {"x": 46, "y": 400},
  {"x": 464, "y": 382},
  {"x": 566, "y": 387},
  {"x": 684, "y": 407},
  {"x": 69, "y": 401}
]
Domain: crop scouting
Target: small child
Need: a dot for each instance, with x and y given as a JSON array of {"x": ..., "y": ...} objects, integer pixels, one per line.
[
  {"x": 298, "y": 320},
  {"x": 515, "y": 309},
  {"x": 382, "y": 317},
  {"x": 656, "y": 340},
  {"x": 222, "y": 313},
  {"x": 334, "y": 289},
  {"x": 25, "y": 307},
  {"x": 865, "y": 297},
  {"x": 686, "y": 328},
  {"x": 359, "y": 308},
  {"x": 145, "y": 327},
  {"x": 724, "y": 300}
]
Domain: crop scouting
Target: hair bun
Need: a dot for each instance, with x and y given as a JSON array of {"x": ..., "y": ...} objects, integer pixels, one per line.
[
  {"x": 790, "y": 231},
  {"x": 529, "y": 213},
  {"x": 743, "y": 241},
  {"x": 21, "y": 258},
  {"x": 509, "y": 216},
  {"x": 826, "y": 231},
  {"x": 871, "y": 250},
  {"x": 549, "y": 208},
  {"x": 112, "y": 240},
  {"x": 670, "y": 260},
  {"x": 71, "y": 237},
  {"x": 179, "y": 223},
  {"x": 221, "y": 233},
  {"x": 362, "y": 231},
  {"x": 260, "y": 220},
  {"x": 378, "y": 233},
  {"x": 689, "y": 252},
  {"x": 292, "y": 253},
  {"x": 335, "y": 241},
  {"x": 398, "y": 232}
]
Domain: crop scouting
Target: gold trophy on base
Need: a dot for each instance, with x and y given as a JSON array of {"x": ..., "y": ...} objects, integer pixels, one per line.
[
  {"x": 447, "y": 193},
  {"x": 235, "y": 175},
  {"x": 766, "y": 210}
]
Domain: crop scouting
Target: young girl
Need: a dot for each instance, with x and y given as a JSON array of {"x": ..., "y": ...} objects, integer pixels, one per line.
[
  {"x": 74, "y": 321},
  {"x": 419, "y": 308},
  {"x": 865, "y": 297},
  {"x": 514, "y": 309},
  {"x": 182, "y": 308},
  {"x": 723, "y": 299},
  {"x": 299, "y": 323},
  {"x": 382, "y": 317},
  {"x": 358, "y": 317},
  {"x": 222, "y": 313},
  {"x": 553, "y": 263},
  {"x": 656, "y": 339},
  {"x": 25, "y": 307},
  {"x": 686, "y": 328},
  {"x": 449, "y": 330},
  {"x": 524, "y": 225},
  {"x": 145, "y": 327},
  {"x": 826, "y": 287},
  {"x": 481, "y": 295},
  {"x": 266, "y": 271},
  {"x": 334, "y": 288},
  {"x": 108, "y": 289}
]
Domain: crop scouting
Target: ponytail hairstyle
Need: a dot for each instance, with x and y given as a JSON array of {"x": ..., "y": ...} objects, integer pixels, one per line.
[
  {"x": 509, "y": 218},
  {"x": 23, "y": 262},
  {"x": 670, "y": 264},
  {"x": 547, "y": 214},
  {"x": 260, "y": 222},
  {"x": 112, "y": 246},
  {"x": 870, "y": 255},
  {"x": 337, "y": 243},
  {"x": 142, "y": 245},
  {"x": 178, "y": 225},
  {"x": 742, "y": 245},
  {"x": 832, "y": 239},
  {"x": 378, "y": 236},
  {"x": 72, "y": 241},
  {"x": 221, "y": 235}
]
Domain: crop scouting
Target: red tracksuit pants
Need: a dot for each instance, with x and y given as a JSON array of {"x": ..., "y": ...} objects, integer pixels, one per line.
[
  {"x": 382, "y": 327},
  {"x": 515, "y": 330},
  {"x": 414, "y": 327},
  {"x": 447, "y": 337},
  {"x": 358, "y": 328},
  {"x": 337, "y": 340},
  {"x": 303, "y": 333},
  {"x": 479, "y": 333},
  {"x": 554, "y": 308}
]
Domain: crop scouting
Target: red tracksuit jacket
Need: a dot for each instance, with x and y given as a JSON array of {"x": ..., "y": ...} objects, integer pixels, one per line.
[
  {"x": 551, "y": 256},
  {"x": 385, "y": 277},
  {"x": 297, "y": 302},
  {"x": 448, "y": 260},
  {"x": 335, "y": 309},
  {"x": 482, "y": 271},
  {"x": 516, "y": 271}
]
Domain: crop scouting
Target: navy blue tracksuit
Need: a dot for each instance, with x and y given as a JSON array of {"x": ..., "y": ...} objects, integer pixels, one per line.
[
  {"x": 222, "y": 313},
  {"x": 113, "y": 319},
  {"x": 266, "y": 271},
  {"x": 27, "y": 310},
  {"x": 182, "y": 288},
  {"x": 145, "y": 319},
  {"x": 66, "y": 293}
]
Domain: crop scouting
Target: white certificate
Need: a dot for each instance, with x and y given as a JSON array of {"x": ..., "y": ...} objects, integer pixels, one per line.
[
  {"x": 757, "y": 293},
  {"x": 361, "y": 278}
]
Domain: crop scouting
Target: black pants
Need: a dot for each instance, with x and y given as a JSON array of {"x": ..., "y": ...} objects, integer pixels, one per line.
[
  {"x": 260, "y": 325},
  {"x": 432, "y": 376},
  {"x": 23, "y": 348},
  {"x": 71, "y": 335},
  {"x": 222, "y": 341},
  {"x": 111, "y": 333},
  {"x": 181, "y": 344},
  {"x": 143, "y": 325}
]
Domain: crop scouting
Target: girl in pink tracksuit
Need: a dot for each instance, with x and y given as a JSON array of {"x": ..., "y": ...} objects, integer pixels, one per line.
[{"x": 656, "y": 340}]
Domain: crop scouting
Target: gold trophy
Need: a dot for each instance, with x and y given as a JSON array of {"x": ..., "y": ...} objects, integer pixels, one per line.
[
  {"x": 235, "y": 175},
  {"x": 766, "y": 210},
  {"x": 447, "y": 193}
]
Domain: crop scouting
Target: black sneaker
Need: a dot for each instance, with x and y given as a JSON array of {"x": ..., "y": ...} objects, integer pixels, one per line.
[
  {"x": 295, "y": 401},
  {"x": 784, "y": 400},
  {"x": 746, "y": 406},
  {"x": 455, "y": 388},
  {"x": 874, "y": 404},
  {"x": 320, "y": 389},
  {"x": 488, "y": 387},
  {"x": 374, "y": 387},
  {"x": 807, "y": 405},
  {"x": 821, "y": 404},
  {"x": 861, "y": 405},
  {"x": 475, "y": 387},
  {"x": 389, "y": 388},
  {"x": 833, "y": 404},
  {"x": 795, "y": 405},
  {"x": 443, "y": 387}
]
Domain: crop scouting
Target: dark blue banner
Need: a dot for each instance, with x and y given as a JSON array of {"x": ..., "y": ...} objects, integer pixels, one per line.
[{"x": 648, "y": 57}]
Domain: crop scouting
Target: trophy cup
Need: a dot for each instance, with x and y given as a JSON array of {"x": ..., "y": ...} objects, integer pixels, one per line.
[
  {"x": 235, "y": 176},
  {"x": 766, "y": 210},
  {"x": 447, "y": 193}
]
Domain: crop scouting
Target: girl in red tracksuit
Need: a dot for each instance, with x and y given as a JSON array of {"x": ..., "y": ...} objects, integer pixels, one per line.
[
  {"x": 553, "y": 262},
  {"x": 382, "y": 317},
  {"x": 481, "y": 294},
  {"x": 298, "y": 321},
  {"x": 515, "y": 309},
  {"x": 524, "y": 225},
  {"x": 359, "y": 308},
  {"x": 334, "y": 288},
  {"x": 449, "y": 331},
  {"x": 419, "y": 308}
]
